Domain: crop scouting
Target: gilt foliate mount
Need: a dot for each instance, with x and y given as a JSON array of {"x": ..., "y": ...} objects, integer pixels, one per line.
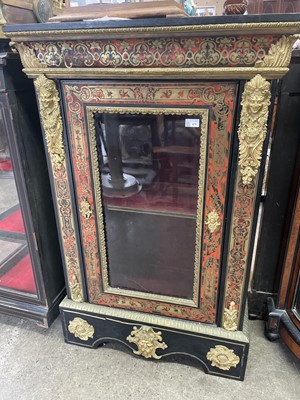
[
  {"x": 147, "y": 341},
  {"x": 85, "y": 209},
  {"x": 213, "y": 221},
  {"x": 279, "y": 54},
  {"x": 230, "y": 317},
  {"x": 252, "y": 131},
  {"x": 223, "y": 358},
  {"x": 48, "y": 98},
  {"x": 81, "y": 329}
]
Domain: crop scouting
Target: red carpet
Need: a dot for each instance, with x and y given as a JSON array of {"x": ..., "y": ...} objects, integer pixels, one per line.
[
  {"x": 13, "y": 223},
  {"x": 20, "y": 277},
  {"x": 5, "y": 166}
]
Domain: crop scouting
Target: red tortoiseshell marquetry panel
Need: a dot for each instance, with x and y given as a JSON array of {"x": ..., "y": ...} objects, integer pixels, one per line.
[
  {"x": 194, "y": 51},
  {"x": 220, "y": 99}
]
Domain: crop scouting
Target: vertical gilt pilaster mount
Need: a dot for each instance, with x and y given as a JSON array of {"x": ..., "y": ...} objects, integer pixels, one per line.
[
  {"x": 253, "y": 126},
  {"x": 50, "y": 114},
  {"x": 48, "y": 98}
]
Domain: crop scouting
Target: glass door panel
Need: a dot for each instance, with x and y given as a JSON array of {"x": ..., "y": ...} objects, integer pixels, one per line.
[
  {"x": 149, "y": 168},
  {"x": 15, "y": 264}
]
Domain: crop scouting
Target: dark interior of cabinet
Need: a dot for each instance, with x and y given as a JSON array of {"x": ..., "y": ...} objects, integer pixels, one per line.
[{"x": 150, "y": 227}]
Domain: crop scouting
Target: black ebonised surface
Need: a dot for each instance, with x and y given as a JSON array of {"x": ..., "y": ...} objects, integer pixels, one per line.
[{"x": 151, "y": 22}]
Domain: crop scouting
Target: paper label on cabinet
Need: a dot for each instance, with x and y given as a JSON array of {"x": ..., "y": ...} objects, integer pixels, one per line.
[{"x": 192, "y": 123}]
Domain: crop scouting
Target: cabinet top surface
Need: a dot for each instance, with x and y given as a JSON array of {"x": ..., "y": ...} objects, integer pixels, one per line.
[{"x": 280, "y": 23}]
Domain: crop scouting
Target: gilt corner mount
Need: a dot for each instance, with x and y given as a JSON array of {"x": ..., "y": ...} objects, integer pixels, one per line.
[{"x": 279, "y": 54}]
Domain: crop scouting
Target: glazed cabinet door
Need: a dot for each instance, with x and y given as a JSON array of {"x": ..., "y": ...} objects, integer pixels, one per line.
[
  {"x": 18, "y": 259},
  {"x": 150, "y": 165}
]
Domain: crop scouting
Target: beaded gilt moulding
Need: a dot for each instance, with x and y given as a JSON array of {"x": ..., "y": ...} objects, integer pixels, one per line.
[{"x": 156, "y": 139}]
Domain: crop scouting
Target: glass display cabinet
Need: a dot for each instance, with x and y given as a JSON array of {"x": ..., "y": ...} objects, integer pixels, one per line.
[
  {"x": 155, "y": 132},
  {"x": 31, "y": 274}
]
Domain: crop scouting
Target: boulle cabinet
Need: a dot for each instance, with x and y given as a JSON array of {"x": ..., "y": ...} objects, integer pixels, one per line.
[{"x": 156, "y": 132}]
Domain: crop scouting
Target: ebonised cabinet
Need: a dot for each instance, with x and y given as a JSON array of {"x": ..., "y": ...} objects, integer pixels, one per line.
[
  {"x": 275, "y": 200},
  {"x": 156, "y": 133},
  {"x": 31, "y": 273}
]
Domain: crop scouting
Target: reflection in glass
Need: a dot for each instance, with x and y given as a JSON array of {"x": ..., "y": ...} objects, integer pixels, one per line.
[
  {"x": 149, "y": 174},
  {"x": 296, "y": 305},
  {"x": 15, "y": 264},
  {"x": 273, "y": 7}
]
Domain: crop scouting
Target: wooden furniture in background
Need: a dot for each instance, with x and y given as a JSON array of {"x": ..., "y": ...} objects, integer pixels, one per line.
[
  {"x": 273, "y": 6},
  {"x": 121, "y": 10},
  {"x": 28, "y": 11},
  {"x": 284, "y": 314},
  {"x": 31, "y": 275},
  {"x": 275, "y": 198}
]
